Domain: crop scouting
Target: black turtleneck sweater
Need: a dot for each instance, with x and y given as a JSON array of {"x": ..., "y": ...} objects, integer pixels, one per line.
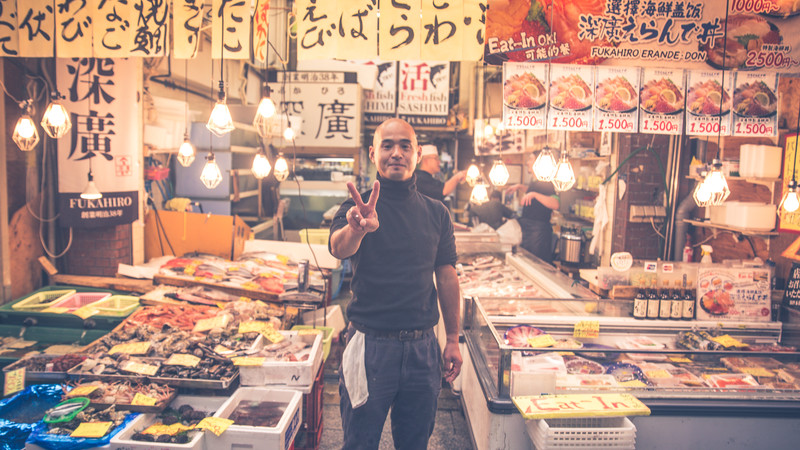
[{"x": 393, "y": 268}]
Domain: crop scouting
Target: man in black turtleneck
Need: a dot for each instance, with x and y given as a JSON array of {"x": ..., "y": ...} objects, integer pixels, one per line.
[{"x": 394, "y": 308}]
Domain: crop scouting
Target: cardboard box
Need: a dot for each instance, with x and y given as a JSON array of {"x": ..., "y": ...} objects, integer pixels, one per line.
[
  {"x": 286, "y": 373},
  {"x": 734, "y": 294},
  {"x": 223, "y": 236}
]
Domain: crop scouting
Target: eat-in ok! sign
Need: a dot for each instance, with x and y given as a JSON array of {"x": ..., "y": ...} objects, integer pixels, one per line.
[{"x": 362, "y": 217}]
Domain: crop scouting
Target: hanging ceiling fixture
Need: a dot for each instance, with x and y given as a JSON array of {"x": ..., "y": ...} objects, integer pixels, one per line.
[
  {"x": 790, "y": 201},
  {"x": 473, "y": 173},
  {"x": 281, "y": 168},
  {"x": 56, "y": 122},
  {"x": 265, "y": 110},
  {"x": 499, "y": 173},
  {"x": 90, "y": 192},
  {"x": 564, "y": 178},
  {"x": 261, "y": 165},
  {"x": 288, "y": 133},
  {"x": 544, "y": 167},
  {"x": 701, "y": 193},
  {"x": 220, "y": 122},
  {"x": 186, "y": 152},
  {"x": 25, "y": 135},
  {"x": 211, "y": 176},
  {"x": 480, "y": 192}
]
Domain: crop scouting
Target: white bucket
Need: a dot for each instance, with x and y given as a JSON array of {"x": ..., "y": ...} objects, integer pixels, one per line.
[{"x": 759, "y": 161}]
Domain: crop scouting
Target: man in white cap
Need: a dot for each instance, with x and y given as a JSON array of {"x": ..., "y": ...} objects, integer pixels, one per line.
[{"x": 429, "y": 165}]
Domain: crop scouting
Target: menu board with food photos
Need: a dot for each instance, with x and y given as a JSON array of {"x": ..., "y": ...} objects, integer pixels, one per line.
[
  {"x": 708, "y": 103},
  {"x": 571, "y": 94},
  {"x": 616, "y": 99},
  {"x": 661, "y": 101},
  {"x": 734, "y": 293},
  {"x": 755, "y": 104},
  {"x": 524, "y": 95}
]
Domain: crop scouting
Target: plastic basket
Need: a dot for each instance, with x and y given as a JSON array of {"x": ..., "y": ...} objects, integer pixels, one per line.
[
  {"x": 117, "y": 305},
  {"x": 79, "y": 299},
  {"x": 327, "y": 337},
  {"x": 42, "y": 300},
  {"x": 315, "y": 235},
  {"x": 583, "y": 433}
]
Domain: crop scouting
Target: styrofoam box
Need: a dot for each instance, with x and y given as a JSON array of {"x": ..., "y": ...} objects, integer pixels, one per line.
[
  {"x": 747, "y": 215},
  {"x": 299, "y": 373},
  {"x": 335, "y": 318},
  {"x": 762, "y": 161},
  {"x": 241, "y": 437},
  {"x": 208, "y": 405}
]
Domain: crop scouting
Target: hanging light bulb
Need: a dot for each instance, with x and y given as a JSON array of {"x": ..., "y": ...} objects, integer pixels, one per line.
[
  {"x": 544, "y": 167},
  {"x": 56, "y": 121},
  {"x": 717, "y": 184},
  {"x": 261, "y": 165},
  {"x": 281, "y": 168},
  {"x": 288, "y": 134},
  {"x": 480, "y": 193},
  {"x": 499, "y": 173},
  {"x": 701, "y": 194},
  {"x": 473, "y": 173},
  {"x": 90, "y": 192},
  {"x": 25, "y": 134},
  {"x": 266, "y": 109},
  {"x": 488, "y": 130},
  {"x": 211, "y": 176},
  {"x": 564, "y": 178},
  {"x": 220, "y": 122},
  {"x": 790, "y": 201},
  {"x": 186, "y": 152}
]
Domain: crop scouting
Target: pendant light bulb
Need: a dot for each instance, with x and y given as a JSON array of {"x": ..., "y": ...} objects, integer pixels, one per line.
[
  {"x": 281, "y": 168},
  {"x": 790, "y": 201},
  {"x": 220, "y": 122},
  {"x": 186, "y": 152},
  {"x": 480, "y": 193},
  {"x": 701, "y": 194},
  {"x": 288, "y": 134},
  {"x": 564, "y": 178},
  {"x": 25, "y": 134},
  {"x": 488, "y": 130},
  {"x": 90, "y": 192},
  {"x": 499, "y": 173},
  {"x": 473, "y": 173},
  {"x": 544, "y": 167},
  {"x": 56, "y": 121},
  {"x": 717, "y": 184},
  {"x": 261, "y": 166},
  {"x": 211, "y": 176},
  {"x": 266, "y": 109}
]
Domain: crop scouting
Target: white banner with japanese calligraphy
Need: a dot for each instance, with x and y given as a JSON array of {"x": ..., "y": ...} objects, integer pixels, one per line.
[
  {"x": 187, "y": 17},
  {"x": 9, "y": 38},
  {"x": 330, "y": 108},
  {"x": 261, "y": 31},
  {"x": 104, "y": 137},
  {"x": 35, "y": 25},
  {"x": 230, "y": 28},
  {"x": 358, "y": 22},
  {"x": 74, "y": 28},
  {"x": 113, "y": 33},
  {"x": 424, "y": 92}
]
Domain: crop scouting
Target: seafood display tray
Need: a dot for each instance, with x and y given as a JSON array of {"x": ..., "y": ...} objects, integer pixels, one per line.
[
  {"x": 189, "y": 383},
  {"x": 157, "y": 408},
  {"x": 37, "y": 377},
  {"x": 299, "y": 373}
]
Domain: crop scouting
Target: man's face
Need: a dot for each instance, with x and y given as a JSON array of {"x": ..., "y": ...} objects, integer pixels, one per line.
[
  {"x": 394, "y": 150},
  {"x": 431, "y": 164}
]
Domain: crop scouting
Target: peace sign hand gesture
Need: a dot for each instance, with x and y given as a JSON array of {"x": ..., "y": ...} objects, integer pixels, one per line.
[{"x": 362, "y": 217}]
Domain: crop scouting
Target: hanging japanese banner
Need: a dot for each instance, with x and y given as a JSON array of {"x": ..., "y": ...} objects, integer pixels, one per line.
[
  {"x": 442, "y": 36},
  {"x": 74, "y": 28},
  {"x": 616, "y": 99},
  {"x": 35, "y": 24},
  {"x": 661, "y": 101},
  {"x": 755, "y": 104},
  {"x": 9, "y": 38},
  {"x": 571, "y": 94},
  {"x": 103, "y": 141},
  {"x": 398, "y": 35},
  {"x": 315, "y": 29},
  {"x": 424, "y": 93},
  {"x": 525, "y": 95},
  {"x": 474, "y": 30},
  {"x": 692, "y": 34},
  {"x": 380, "y": 103},
  {"x": 708, "y": 103},
  {"x": 261, "y": 31},
  {"x": 227, "y": 31},
  {"x": 150, "y": 30},
  {"x": 187, "y": 17},
  {"x": 358, "y": 25},
  {"x": 112, "y": 30}
]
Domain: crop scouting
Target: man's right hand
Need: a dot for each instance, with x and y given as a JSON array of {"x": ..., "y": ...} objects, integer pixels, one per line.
[{"x": 362, "y": 217}]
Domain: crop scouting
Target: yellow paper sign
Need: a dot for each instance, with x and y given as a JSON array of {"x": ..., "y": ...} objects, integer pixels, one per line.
[
  {"x": 541, "y": 341},
  {"x": 660, "y": 373},
  {"x": 222, "y": 350},
  {"x": 172, "y": 430},
  {"x": 143, "y": 400},
  {"x": 131, "y": 348},
  {"x": 92, "y": 429},
  {"x": 579, "y": 405},
  {"x": 216, "y": 425},
  {"x": 14, "y": 381},
  {"x": 212, "y": 322},
  {"x": 633, "y": 383},
  {"x": 587, "y": 329},
  {"x": 679, "y": 359},
  {"x": 727, "y": 341},
  {"x": 85, "y": 312},
  {"x": 83, "y": 391},
  {"x": 248, "y": 361},
  {"x": 252, "y": 326},
  {"x": 180, "y": 359},
  {"x": 56, "y": 310},
  {"x": 140, "y": 368},
  {"x": 757, "y": 371},
  {"x": 272, "y": 334}
]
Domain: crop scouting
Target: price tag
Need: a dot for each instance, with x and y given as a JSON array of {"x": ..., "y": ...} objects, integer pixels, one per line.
[
  {"x": 171, "y": 430},
  {"x": 14, "y": 381},
  {"x": 131, "y": 348},
  {"x": 579, "y": 405},
  {"x": 248, "y": 361},
  {"x": 587, "y": 329},
  {"x": 92, "y": 429},
  {"x": 272, "y": 334},
  {"x": 56, "y": 310},
  {"x": 85, "y": 312},
  {"x": 216, "y": 425},
  {"x": 757, "y": 371},
  {"x": 251, "y": 326},
  {"x": 633, "y": 383},
  {"x": 222, "y": 350},
  {"x": 219, "y": 321},
  {"x": 541, "y": 341},
  {"x": 727, "y": 341},
  {"x": 143, "y": 400},
  {"x": 679, "y": 359},
  {"x": 83, "y": 391},
  {"x": 657, "y": 374},
  {"x": 180, "y": 359},
  {"x": 250, "y": 285},
  {"x": 140, "y": 368}
]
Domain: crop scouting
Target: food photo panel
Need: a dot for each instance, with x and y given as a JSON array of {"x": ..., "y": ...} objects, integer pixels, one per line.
[
  {"x": 708, "y": 103},
  {"x": 524, "y": 95},
  {"x": 661, "y": 101},
  {"x": 755, "y": 104},
  {"x": 571, "y": 97},
  {"x": 617, "y": 99}
]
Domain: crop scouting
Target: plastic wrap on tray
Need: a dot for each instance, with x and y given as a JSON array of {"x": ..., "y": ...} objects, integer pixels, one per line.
[{"x": 488, "y": 276}]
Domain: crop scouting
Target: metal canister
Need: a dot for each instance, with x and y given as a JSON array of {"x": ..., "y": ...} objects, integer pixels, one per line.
[{"x": 302, "y": 275}]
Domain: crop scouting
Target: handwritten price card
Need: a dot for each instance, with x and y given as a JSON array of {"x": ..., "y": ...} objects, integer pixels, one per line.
[
  {"x": 587, "y": 329},
  {"x": 272, "y": 334},
  {"x": 571, "y": 97},
  {"x": 85, "y": 312},
  {"x": 541, "y": 341},
  {"x": 248, "y": 361},
  {"x": 708, "y": 103},
  {"x": 216, "y": 425},
  {"x": 755, "y": 104},
  {"x": 171, "y": 430},
  {"x": 524, "y": 95},
  {"x": 179, "y": 359},
  {"x": 14, "y": 381},
  {"x": 131, "y": 348},
  {"x": 661, "y": 101},
  {"x": 727, "y": 341},
  {"x": 92, "y": 429},
  {"x": 143, "y": 400},
  {"x": 616, "y": 99},
  {"x": 219, "y": 321},
  {"x": 82, "y": 391},
  {"x": 253, "y": 326},
  {"x": 579, "y": 405},
  {"x": 140, "y": 368}
]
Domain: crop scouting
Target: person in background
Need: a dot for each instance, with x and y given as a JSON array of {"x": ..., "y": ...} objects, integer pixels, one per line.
[
  {"x": 538, "y": 203},
  {"x": 493, "y": 213},
  {"x": 430, "y": 165},
  {"x": 397, "y": 240}
]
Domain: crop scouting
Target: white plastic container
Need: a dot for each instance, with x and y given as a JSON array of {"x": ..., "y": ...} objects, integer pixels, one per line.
[
  {"x": 759, "y": 161},
  {"x": 242, "y": 437},
  {"x": 285, "y": 373},
  {"x": 746, "y": 215},
  {"x": 582, "y": 433}
]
